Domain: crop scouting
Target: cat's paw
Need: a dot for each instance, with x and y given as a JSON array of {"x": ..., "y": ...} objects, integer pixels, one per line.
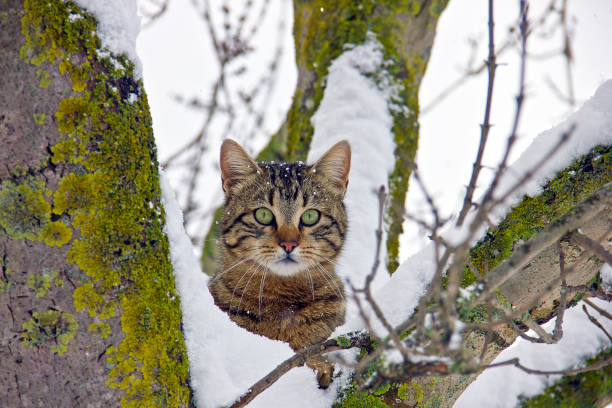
[{"x": 324, "y": 370}]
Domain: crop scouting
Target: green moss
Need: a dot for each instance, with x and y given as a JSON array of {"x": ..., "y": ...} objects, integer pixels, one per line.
[
  {"x": 437, "y": 7},
  {"x": 583, "y": 390},
  {"x": 351, "y": 397},
  {"x": 532, "y": 214},
  {"x": 51, "y": 327},
  {"x": 382, "y": 389},
  {"x": 43, "y": 77},
  {"x": 40, "y": 283},
  {"x": 110, "y": 193},
  {"x": 413, "y": 393},
  {"x": 5, "y": 283},
  {"x": 102, "y": 330},
  {"x": 343, "y": 341},
  {"x": 39, "y": 118},
  {"x": 362, "y": 400},
  {"x": 77, "y": 191},
  {"x": 24, "y": 211}
]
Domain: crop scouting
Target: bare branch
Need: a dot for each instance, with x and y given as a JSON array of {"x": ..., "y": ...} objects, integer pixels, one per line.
[
  {"x": 599, "y": 309},
  {"x": 357, "y": 339},
  {"x": 573, "y": 220},
  {"x": 558, "y": 330},
  {"x": 484, "y": 128},
  {"x": 570, "y": 371},
  {"x": 595, "y": 247},
  {"x": 596, "y": 322}
]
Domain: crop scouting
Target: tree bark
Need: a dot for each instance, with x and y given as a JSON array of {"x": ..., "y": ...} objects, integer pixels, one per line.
[{"x": 88, "y": 308}]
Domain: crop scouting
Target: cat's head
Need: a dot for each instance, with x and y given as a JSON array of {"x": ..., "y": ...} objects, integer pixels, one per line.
[{"x": 287, "y": 217}]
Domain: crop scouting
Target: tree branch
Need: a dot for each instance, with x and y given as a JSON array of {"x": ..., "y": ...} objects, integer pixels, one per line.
[
  {"x": 351, "y": 340},
  {"x": 484, "y": 128},
  {"x": 571, "y": 221}
]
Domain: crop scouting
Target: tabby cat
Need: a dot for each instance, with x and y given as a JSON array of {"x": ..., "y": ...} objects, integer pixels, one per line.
[{"x": 283, "y": 226}]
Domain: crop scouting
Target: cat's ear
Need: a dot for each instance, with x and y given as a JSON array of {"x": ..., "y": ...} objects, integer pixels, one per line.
[
  {"x": 235, "y": 164},
  {"x": 336, "y": 164}
]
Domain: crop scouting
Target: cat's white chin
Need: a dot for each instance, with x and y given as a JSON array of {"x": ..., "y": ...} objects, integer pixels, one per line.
[{"x": 286, "y": 267}]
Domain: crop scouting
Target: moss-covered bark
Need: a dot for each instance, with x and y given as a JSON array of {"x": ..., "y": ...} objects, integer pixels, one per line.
[{"x": 93, "y": 316}]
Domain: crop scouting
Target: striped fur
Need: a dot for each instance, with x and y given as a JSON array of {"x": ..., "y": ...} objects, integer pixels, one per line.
[{"x": 299, "y": 300}]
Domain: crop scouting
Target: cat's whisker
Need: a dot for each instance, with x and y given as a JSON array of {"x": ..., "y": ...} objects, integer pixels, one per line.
[
  {"x": 328, "y": 277},
  {"x": 327, "y": 259},
  {"x": 311, "y": 283},
  {"x": 235, "y": 265},
  {"x": 247, "y": 285},
  {"x": 331, "y": 278},
  {"x": 261, "y": 286},
  {"x": 238, "y": 283}
]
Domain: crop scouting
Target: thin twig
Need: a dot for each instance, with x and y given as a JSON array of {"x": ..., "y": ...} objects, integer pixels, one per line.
[
  {"x": 570, "y": 371},
  {"x": 486, "y": 125},
  {"x": 368, "y": 282},
  {"x": 594, "y": 320},
  {"x": 558, "y": 330},
  {"x": 358, "y": 339},
  {"x": 601, "y": 311}
]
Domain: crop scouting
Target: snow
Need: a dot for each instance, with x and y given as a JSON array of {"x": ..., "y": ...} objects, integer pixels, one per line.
[
  {"x": 118, "y": 27},
  {"x": 500, "y": 387},
  {"x": 355, "y": 108},
  {"x": 606, "y": 277}
]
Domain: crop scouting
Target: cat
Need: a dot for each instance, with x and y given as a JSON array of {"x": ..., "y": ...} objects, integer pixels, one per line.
[{"x": 282, "y": 229}]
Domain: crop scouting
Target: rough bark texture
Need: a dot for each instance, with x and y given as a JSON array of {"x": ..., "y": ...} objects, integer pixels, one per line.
[{"x": 87, "y": 303}]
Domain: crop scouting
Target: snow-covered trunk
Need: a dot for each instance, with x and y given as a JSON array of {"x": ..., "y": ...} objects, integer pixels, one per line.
[{"x": 89, "y": 311}]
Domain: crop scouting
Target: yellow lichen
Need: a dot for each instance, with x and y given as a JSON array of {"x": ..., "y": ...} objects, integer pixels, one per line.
[
  {"x": 51, "y": 327},
  {"x": 40, "y": 283},
  {"x": 102, "y": 330},
  {"x": 43, "y": 77},
  {"x": 24, "y": 211},
  {"x": 56, "y": 233}
]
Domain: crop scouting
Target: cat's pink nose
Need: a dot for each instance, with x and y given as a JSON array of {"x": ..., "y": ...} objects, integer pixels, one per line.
[{"x": 288, "y": 246}]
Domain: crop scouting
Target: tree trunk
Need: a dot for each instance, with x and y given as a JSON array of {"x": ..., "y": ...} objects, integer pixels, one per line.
[{"x": 87, "y": 300}]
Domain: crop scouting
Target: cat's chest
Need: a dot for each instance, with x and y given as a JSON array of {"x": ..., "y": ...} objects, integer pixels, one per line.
[{"x": 287, "y": 316}]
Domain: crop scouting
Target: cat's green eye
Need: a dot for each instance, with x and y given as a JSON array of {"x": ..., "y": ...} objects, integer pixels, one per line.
[
  {"x": 310, "y": 217},
  {"x": 264, "y": 216}
]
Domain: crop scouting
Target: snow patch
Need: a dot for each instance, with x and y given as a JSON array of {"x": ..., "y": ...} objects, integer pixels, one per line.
[
  {"x": 606, "y": 277},
  {"x": 118, "y": 27},
  {"x": 355, "y": 108}
]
